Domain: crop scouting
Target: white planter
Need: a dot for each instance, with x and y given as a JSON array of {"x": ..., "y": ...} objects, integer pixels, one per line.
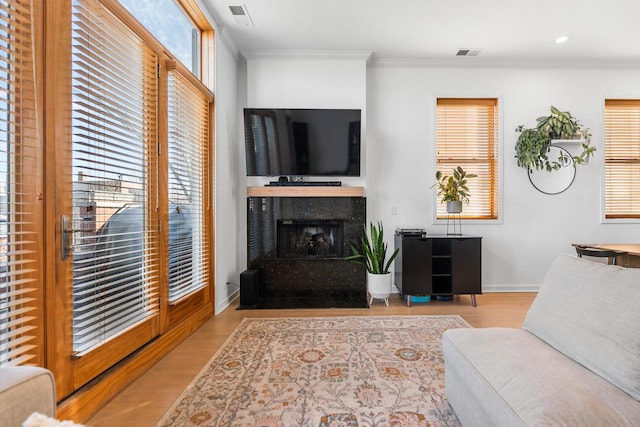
[{"x": 379, "y": 286}]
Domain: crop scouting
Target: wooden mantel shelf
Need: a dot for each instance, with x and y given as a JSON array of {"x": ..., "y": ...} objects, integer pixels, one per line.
[{"x": 311, "y": 191}]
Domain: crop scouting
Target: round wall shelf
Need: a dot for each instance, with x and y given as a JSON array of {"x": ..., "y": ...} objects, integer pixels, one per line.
[{"x": 554, "y": 182}]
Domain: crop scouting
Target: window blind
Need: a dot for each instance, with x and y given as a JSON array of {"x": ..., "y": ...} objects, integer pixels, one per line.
[
  {"x": 467, "y": 136},
  {"x": 19, "y": 183},
  {"x": 115, "y": 268},
  {"x": 622, "y": 158},
  {"x": 188, "y": 153}
]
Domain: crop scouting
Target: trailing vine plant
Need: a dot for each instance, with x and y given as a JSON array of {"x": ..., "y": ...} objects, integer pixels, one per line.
[{"x": 533, "y": 144}]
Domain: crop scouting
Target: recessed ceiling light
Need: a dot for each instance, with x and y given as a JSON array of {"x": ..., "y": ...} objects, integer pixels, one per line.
[{"x": 563, "y": 38}]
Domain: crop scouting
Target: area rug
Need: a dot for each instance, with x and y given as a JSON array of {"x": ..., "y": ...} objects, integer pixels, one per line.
[{"x": 337, "y": 371}]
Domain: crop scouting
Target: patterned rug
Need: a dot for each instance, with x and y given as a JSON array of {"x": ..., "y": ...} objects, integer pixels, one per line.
[{"x": 337, "y": 371}]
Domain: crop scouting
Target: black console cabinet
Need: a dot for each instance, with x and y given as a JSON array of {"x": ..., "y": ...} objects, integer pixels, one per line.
[{"x": 438, "y": 265}]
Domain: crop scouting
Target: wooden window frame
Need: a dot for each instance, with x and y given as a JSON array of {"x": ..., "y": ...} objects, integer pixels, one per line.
[
  {"x": 489, "y": 209},
  {"x": 177, "y": 321},
  {"x": 622, "y": 158},
  {"x": 179, "y": 71}
]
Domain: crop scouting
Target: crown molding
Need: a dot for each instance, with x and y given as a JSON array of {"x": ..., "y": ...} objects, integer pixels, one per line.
[
  {"x": 360, "y": 55},
  {"x": 483, "y": 63},
  {"x": 370, "y": 59},
  {"x": 228, "y": 42}
]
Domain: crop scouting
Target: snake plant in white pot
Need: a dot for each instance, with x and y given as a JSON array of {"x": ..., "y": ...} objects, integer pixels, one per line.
[{"x": 372, "y": 254}]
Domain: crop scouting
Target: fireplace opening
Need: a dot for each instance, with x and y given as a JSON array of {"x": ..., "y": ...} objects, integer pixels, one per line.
[{"x": 318, "y": 238}]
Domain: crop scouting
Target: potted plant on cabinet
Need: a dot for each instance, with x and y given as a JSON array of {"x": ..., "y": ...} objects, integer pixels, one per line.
[
  {"x": 453, "y": 189},
  {"x": 533, "y": 144},
  {"x": 372, "y": 254}
]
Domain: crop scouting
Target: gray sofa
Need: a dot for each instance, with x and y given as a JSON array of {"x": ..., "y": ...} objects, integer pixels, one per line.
[
  {"x": 575, "y": 362},
  {"x": 24, "y": 390}
]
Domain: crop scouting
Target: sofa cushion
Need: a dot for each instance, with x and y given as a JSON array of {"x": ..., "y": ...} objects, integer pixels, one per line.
[
  {"x": 589, "y": 312},
  {"x": 24, "y": 390},
  {"x": 509, "y": 377}
]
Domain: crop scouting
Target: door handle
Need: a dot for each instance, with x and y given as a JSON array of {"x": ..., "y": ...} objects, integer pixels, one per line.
[{"x": 66, "y": 234}]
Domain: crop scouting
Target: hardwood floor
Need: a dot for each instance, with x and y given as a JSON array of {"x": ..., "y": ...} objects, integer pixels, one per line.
[{"x": 146, "y": 400}]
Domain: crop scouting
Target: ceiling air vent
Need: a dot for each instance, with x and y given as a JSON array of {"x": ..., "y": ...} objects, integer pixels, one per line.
[
  {"x": 468, "y": 52},
  {"x": 240, "y": 15}
]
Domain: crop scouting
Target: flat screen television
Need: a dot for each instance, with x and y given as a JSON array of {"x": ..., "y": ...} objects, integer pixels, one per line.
[{"x": 302, "y": 142}]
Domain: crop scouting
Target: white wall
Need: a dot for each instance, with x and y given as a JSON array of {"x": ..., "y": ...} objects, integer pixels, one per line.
[
  {"x": 534, "y": 227},
  {"x": 309, "y": 80},
  {"x": 228, "y": 186},
  {"x": 300, "y": 80},
  {"x": 398, "y": 170}
]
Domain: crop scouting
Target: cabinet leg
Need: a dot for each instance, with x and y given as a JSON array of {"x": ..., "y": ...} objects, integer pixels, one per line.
[
  {"x": 473, "y": 300},
  {"x": 408, "y": 300}
]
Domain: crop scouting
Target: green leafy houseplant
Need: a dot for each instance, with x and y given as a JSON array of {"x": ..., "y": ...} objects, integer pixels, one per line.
[
  {"x": 533, "y": 144},
  {"x": 372, "y": 251},
  {"x": 453, "y": 188}
]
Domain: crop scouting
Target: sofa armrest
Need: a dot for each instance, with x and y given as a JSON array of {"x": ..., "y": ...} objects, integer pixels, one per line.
[{"x": 24, "y": 390}]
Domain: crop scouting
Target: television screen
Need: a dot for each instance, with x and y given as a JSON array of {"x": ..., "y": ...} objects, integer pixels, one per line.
[{"x": 311, "y": 142}]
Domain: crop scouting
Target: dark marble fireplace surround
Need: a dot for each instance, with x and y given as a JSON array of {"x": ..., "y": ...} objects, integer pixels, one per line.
[{"x": 298, "y": 245}]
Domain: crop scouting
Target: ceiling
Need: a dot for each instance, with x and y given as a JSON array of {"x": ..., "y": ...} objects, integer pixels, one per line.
[{"x": 505, "y": 31}]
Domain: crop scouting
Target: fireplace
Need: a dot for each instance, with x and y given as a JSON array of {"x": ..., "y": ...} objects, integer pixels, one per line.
[
  {"x": 306, "y": 238},
  {"x": 298, "y": 245}
]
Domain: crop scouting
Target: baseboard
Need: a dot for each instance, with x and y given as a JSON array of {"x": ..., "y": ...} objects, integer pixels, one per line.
[
  {"x": 227, "y": 302},
  {"x": 485, "y": 288},
  {"x": 510, "y": 288},
  {"x": 498, "y": 288}
]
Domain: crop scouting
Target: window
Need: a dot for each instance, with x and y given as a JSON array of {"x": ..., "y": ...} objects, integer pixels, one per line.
[
  {"x": 622, "y": 158},
  {"x": 171, "y": 26},
  {"x": 113, "y": 116},
  {"x": 20, "y": 178},
  {"x": 188, "y": 185},
  {"x": 467, "y": 136}
]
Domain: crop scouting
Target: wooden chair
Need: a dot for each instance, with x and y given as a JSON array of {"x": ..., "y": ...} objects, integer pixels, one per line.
[{"x": 600, "y": 253}]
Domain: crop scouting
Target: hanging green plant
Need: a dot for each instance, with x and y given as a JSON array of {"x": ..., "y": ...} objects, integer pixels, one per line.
[{"x": 533, "y": 144}]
